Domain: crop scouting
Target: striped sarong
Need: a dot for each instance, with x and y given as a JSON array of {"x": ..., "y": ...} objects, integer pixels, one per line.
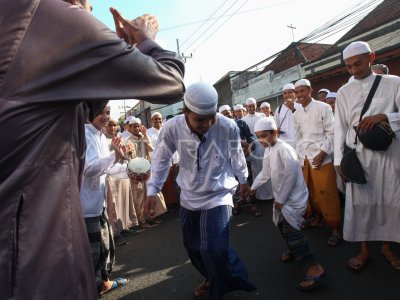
[{"x": 101, "y": 246}]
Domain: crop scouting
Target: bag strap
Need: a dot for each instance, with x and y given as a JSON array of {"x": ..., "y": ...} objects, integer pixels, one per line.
[
  {"x": 370, "y": 95},
  {"x": 369, "y": 100}
]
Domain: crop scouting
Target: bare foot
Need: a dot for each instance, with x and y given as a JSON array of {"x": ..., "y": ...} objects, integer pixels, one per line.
[{"x": 391, "y": 258}]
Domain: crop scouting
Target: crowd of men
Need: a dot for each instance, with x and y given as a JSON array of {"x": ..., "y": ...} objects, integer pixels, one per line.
[{"x": 70, "y": 193}]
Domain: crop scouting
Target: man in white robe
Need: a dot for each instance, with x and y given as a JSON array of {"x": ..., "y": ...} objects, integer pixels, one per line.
[
  {"x": 156, "y": 126},
  {"x": 284, "y": 115},
  {"x": 372, "y": 211}
]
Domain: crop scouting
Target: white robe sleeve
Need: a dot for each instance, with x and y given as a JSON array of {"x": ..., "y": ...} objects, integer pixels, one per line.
[
  {"x": 161, "y": 162},
  {"x": 340, "y": 126},
  {"x": 96, "y": 166},
  {"x": 327, "y": 123},
  {"x": 289, "y": 178},
  {"x": 394, "y": 117},
  {"x": 238, "y": 160}
]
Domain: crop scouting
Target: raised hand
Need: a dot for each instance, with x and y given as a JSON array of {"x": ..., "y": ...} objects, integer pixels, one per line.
[{"x": 137, "y": 30}]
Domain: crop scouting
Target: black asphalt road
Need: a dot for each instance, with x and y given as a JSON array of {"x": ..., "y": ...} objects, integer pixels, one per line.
[{"x": 158, "y": 268}]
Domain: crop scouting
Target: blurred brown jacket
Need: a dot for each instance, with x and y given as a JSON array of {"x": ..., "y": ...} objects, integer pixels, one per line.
[{"x": 58, "y": 66}]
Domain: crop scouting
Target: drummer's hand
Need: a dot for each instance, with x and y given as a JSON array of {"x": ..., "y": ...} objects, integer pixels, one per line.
[
  {"x": 149, "y": 206},
  {"x": 137, "y": 30}
]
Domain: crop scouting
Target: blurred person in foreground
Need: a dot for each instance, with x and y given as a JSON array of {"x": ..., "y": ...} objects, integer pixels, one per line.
[{"x": 76, "y": 64}]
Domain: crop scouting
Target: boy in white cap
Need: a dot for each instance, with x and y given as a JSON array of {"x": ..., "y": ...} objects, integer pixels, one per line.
[
  {"x": 256, "y": 157},
  {"x": 372, "y": 210},
  {"x": 330, "y": 100},
  {"x": 322, "y": 93},
  {"x": 284, "y": 115},
  {"x": 141, "y": 146},
  {"x": 282, "y": 166},
  {"x": 210, "y": 156},
  {"x": 266, "y": 109},
  {"x": 314, "y": 144},
  {"x": 238, "y": 110}
]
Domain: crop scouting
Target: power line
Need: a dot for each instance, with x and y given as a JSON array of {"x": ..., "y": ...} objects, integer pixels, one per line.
[
  {"x": 325, "y": 30},
  {"x": 221, "y": 25},
  {"x": 205, "y": 21},
  {"x": 205, "y": 31},
  {"x": 227, "y": 15}
]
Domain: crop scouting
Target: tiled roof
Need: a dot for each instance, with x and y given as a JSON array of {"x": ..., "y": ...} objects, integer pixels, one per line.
[
  {"x": 387, "y": 11},
  {"x": 296, "y": 53}
]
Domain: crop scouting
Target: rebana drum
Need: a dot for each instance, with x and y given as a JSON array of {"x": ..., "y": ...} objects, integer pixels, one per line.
[{"x": 138, "y": 169}]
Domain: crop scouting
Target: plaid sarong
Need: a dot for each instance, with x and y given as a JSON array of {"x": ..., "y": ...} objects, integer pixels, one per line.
[{"x": 102, "y": 246}]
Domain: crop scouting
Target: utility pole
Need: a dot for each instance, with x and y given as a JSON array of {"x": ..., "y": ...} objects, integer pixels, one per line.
[
  {"x": 179, "y": 51},
  {"x": 292, "y": 28}
]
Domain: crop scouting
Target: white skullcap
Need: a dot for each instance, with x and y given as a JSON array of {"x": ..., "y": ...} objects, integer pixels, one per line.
[
  {"x": 356, "y": 48},
  {"x": 300, "y": 82},
  {"x": 156, "y": 113},
  {"x": 265, "y": 104},
  {"x": 224, "y": 107},
  {"x": 135, "y": 121},
  {"x": 324, "y": 91},
  {"x": 289, "y": 86},
  {"x": 201, "y": 98},
  {"x": 265, "y": 124},
  {"x": 250, "y": 101},
  {"x": 331, "y": 95},
  {"x": 128, "y": 119},
  {"x": 238, "y": 106}
]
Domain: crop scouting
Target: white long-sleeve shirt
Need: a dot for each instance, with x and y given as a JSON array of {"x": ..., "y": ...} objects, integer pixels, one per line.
[
  {"x": 206, "y": 168},
  {"x": 314, "y": 131},
  {"x": 282, "y": 166},
  {"x": 251, "y": 120},
  {"x": 284, "y": 121},
  {"x": 153, "y": 134},
  {"x": 98, "y": 161}
]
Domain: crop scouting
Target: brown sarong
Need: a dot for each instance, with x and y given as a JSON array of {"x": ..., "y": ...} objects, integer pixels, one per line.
[
  {"x": 120, "y": 207},
  {"x": 323, "y": 193}
]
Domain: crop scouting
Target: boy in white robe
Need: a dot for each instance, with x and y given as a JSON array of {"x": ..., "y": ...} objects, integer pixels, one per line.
[{"x": 282, "y": 166}]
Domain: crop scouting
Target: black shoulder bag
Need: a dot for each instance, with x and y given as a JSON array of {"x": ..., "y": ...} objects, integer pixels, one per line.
[
  {"x": 379, "y": 137},
  {"x": 350, "y": 166}
]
